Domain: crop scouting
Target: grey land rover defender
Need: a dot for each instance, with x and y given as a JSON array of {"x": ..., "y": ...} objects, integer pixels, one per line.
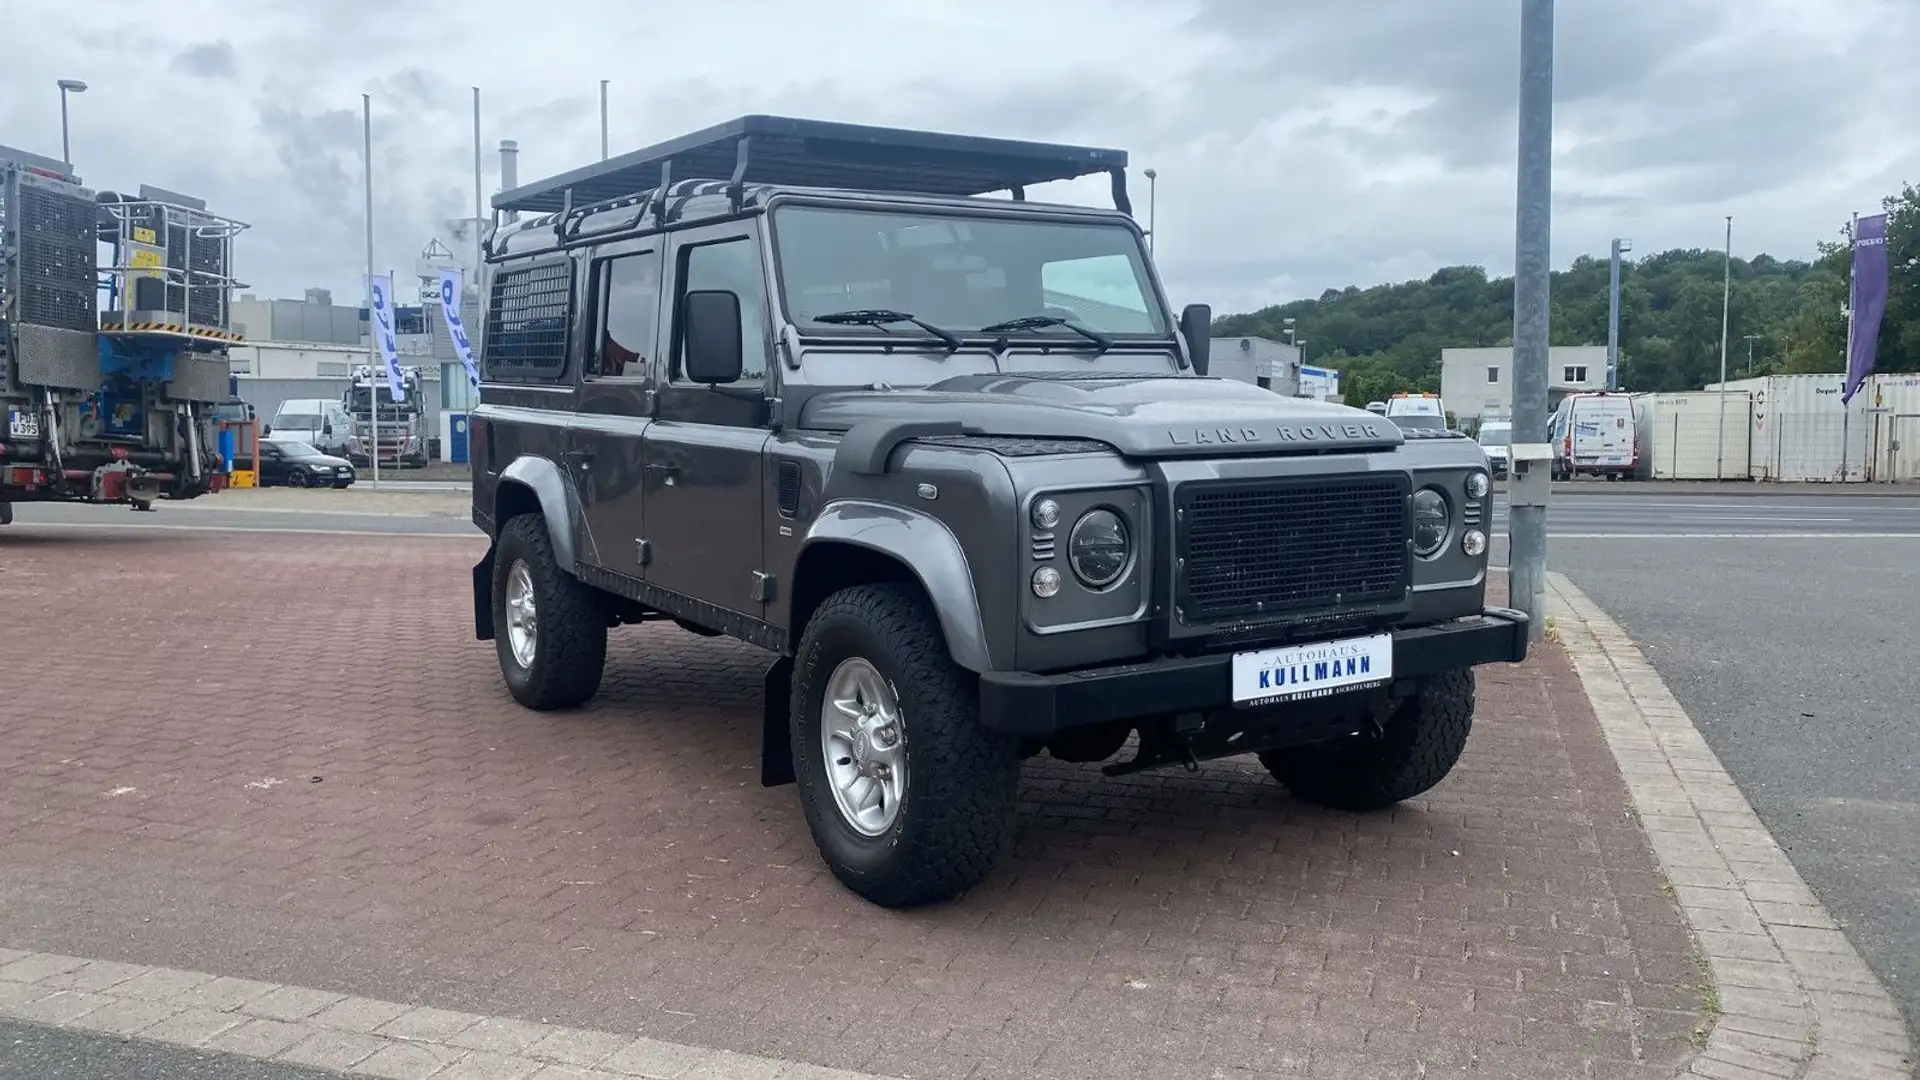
[{"x": 843, "y": 393}]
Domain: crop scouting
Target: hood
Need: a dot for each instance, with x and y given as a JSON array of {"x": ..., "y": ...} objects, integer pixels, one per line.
[{"x": 1154, "y": 416}]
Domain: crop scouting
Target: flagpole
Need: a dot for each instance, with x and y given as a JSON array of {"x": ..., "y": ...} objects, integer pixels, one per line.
[
  {"x": 373, "y": 331},
  {"x": 1726, "y": 309},
  {"x": 1846, "y": 361},
  {"x": 477, "y": 256}
]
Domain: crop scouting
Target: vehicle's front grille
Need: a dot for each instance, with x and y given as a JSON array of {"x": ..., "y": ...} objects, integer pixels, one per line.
[{"x": 1256, "y": 549}]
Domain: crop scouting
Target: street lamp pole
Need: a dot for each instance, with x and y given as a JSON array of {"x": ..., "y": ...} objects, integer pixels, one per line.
[
  {"x": 67, "y": 86},
  {"x": 1530, "y": 488},
  {"x": 1750, "y": 339},
  {"x": 1726, "y": 312},
  {"x": 1153, "y": 189},
  {"x": 1613, "y": 313},
  {"x": 603, "y": 119}
]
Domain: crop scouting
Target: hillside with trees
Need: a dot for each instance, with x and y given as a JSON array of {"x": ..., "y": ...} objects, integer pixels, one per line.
[{"x": 1388, "y": 338}]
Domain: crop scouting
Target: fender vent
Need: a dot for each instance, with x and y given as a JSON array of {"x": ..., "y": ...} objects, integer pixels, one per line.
[{"x": 789, "y": 489}]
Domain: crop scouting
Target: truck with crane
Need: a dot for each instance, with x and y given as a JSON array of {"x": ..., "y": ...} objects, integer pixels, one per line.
[{"x": 115, "y": 322}]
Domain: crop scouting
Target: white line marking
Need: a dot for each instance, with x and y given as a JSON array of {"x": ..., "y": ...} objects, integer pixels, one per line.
[{"x": 1737, "y": 536}]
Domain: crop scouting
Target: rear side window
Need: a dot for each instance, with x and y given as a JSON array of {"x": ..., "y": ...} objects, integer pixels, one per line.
[
  {"x": 527, "y": 320},
  {"x": 629, "y": 312}
]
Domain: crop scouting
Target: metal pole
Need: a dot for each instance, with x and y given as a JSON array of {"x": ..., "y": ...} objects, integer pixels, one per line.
[
  {"x": 373, "y": 330},
  {"x": 1530, "y": 489},
  {"x": 478, "y": 258},
  {"x": 1846, "y": 413},
  {"x": 1613, "y": 318},
  {"x": 66, "y": 145},
  {"x": 1726, "y": 309},
  {"x": 1153, "y": 193},
  {"x": 603, "y": 119}
]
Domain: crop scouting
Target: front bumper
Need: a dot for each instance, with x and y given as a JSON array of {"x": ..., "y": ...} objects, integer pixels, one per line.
[{"x": 1037, "y": 706}]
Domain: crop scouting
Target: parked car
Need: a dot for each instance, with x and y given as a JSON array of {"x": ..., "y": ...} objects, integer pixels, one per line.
[
  {"x": 1007, "y": 517},
  {"x": 1496, "y": 438},
  {"x": 297, "y": 464},
  {"x": 1594, "y": 434}
]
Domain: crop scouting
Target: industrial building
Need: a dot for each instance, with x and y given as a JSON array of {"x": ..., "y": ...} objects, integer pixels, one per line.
[{"x": 1477, "y": 384}]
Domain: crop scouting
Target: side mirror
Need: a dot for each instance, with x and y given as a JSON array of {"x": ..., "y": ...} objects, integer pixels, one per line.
[
  {"x": 1196, "y": 327},
  {"x": 268, "y": 430},
  {"x": 326, "y": 427},
  {"x": 710, "y": 336}
]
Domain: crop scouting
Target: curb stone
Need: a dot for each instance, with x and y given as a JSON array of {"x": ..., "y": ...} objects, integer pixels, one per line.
[
  {"x": 350, "y": 1035},
  {"x": 1795, "y": 998}
]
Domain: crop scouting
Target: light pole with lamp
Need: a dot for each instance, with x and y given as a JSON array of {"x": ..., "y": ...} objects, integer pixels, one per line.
[
  {"x": 1153, "y": 188},
  {"x": 603, "y": 119},
  {"x": 1750, "y": 339},
  {"x": 67, "y": 86}
]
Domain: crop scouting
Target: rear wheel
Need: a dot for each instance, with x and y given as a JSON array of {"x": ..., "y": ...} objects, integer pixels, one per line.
[
  {"x": 6, "y": 513},
  {"x": 550, "y": 630},
  {"x": 1412, "y": 752},
  {"x": 909, "y": 799}
]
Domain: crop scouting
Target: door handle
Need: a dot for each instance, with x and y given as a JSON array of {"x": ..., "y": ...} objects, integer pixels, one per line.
[{"x": 670, "y": 470}]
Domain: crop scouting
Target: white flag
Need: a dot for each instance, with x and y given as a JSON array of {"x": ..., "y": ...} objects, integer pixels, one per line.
[
  {"x": 380, "y": 314},
  {"x": 450, "y": 306}
]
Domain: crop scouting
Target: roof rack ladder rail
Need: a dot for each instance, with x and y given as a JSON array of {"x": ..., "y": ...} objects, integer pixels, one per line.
[
  {"x": 658, "y": 204},
  {"x": 1019, "y": 192},
  {"x": 1120, "y": 200}
]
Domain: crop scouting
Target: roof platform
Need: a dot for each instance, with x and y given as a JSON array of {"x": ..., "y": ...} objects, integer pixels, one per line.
[{"x": 786, "y": 152}]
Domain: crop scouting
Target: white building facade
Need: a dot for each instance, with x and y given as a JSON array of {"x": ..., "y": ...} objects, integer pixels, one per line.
[{"x": 1477, "y": 383}]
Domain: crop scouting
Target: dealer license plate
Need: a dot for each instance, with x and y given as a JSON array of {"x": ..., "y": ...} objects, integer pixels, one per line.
[
  {"x": 22, "y": 425},
  {"x": 1297, "y": 672}
]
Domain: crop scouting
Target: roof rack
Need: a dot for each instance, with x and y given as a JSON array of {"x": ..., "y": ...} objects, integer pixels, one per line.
[{"x": 783, "y": 151}]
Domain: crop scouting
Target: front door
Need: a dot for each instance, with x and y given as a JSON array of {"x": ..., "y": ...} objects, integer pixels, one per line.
[
  {"x": 616, "y": 404},
  {"x": 704, "y": 449}
]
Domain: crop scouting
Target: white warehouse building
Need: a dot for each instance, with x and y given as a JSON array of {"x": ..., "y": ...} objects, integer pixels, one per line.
[{"x": 1477, "y": 384}]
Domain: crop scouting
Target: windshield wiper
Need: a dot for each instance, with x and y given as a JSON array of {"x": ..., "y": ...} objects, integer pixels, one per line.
[
  {"x": 1040, "y": 322},
  {"x": 881, "y": 317}
]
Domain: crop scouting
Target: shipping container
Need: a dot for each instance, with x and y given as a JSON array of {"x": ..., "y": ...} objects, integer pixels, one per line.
[
  {"x": 1801, "y": 432},
  {"x": 1698, "y": 435},
  {"x": 1893, "y": 402}
]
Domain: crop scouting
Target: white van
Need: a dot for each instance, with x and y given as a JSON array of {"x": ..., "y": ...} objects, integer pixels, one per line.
[
  {"x": 1594, "y": 434},
  {"x": 1496, "y": 438},
  {"x": 322, "y": 423}
]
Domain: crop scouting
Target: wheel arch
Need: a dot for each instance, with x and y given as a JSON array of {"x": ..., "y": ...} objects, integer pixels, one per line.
[
  {"x": 856, "y": 542},
  {"x": 533, "y": 484}
]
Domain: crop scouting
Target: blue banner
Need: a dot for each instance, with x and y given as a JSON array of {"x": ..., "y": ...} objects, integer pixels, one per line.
[
  {"x": 380, "y": 325},
  {"x": 450, "y": 307}
]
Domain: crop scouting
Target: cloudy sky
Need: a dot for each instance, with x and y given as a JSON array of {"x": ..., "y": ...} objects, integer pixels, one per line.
[{"x": 1301, "y": 144}]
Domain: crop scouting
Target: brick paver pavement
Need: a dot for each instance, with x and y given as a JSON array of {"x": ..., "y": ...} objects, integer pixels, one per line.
[{"x": 192, "y": 775}]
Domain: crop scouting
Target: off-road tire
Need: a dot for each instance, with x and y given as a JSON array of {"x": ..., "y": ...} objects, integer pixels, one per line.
[
  {"x": 956, "y": 816},
  {"x": 570, "y": 647},
  {"x": 1419, "y": 745}
]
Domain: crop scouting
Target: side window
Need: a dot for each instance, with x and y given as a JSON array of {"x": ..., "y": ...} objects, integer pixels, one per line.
[
  {"x": 733, "y": 265},
  {"x": 629, "y": 311},
  {"x": 526, "y": 335}
]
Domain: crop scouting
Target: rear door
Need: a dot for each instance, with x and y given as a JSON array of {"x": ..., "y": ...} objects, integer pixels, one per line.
[
  {"x": 1603, "y": 432},
  {"x": 616, "y": 403}
]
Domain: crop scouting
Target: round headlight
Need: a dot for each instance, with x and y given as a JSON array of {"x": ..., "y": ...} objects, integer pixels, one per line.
[
  {"x": 1046, "y": 514},
  {"x": 1476, "y": 485},
  {"x": 1474, "y": 543},
  {"x": 1099, "y": 548},
  {"x": 1429, "y": 522},
  {"x": 1046, "y": 582}
]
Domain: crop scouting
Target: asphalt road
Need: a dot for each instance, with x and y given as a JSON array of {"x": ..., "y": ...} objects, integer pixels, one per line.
[
  {"x": 1796, "y": 658},
  {"x": 30, "y": 1052}
]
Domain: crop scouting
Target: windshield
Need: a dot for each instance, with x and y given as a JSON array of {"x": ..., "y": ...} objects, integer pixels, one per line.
[
  {"x": 1491, "y": 436},
  {"x": 962, "y": 273},
  {"x": 1420, "y": 421},
  {"x": 298, "y": 421},
  {"x": 291, "y": 448},
  {"x": 360, "y": 398}
]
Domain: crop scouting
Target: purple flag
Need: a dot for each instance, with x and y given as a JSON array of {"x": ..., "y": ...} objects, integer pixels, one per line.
[{"x": 1868, "y": 302}]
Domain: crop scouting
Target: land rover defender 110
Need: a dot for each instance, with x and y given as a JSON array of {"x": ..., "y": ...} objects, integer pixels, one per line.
[{"x": 952, "y": 460}]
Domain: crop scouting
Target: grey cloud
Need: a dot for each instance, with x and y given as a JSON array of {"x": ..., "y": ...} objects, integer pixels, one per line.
[{"x": 208, "y": 60}]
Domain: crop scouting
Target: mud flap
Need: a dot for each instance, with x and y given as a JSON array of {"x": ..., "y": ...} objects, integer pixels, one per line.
[
  {"x": 776, "y": 741},
  {"x": 483, "y": 597}
]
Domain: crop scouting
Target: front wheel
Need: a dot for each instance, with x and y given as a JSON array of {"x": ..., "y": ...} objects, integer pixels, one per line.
[
  {"x": 549, "y": 629},
  {"x": 909, "y": 799},
  {"x": 1414, "y": 750}
]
